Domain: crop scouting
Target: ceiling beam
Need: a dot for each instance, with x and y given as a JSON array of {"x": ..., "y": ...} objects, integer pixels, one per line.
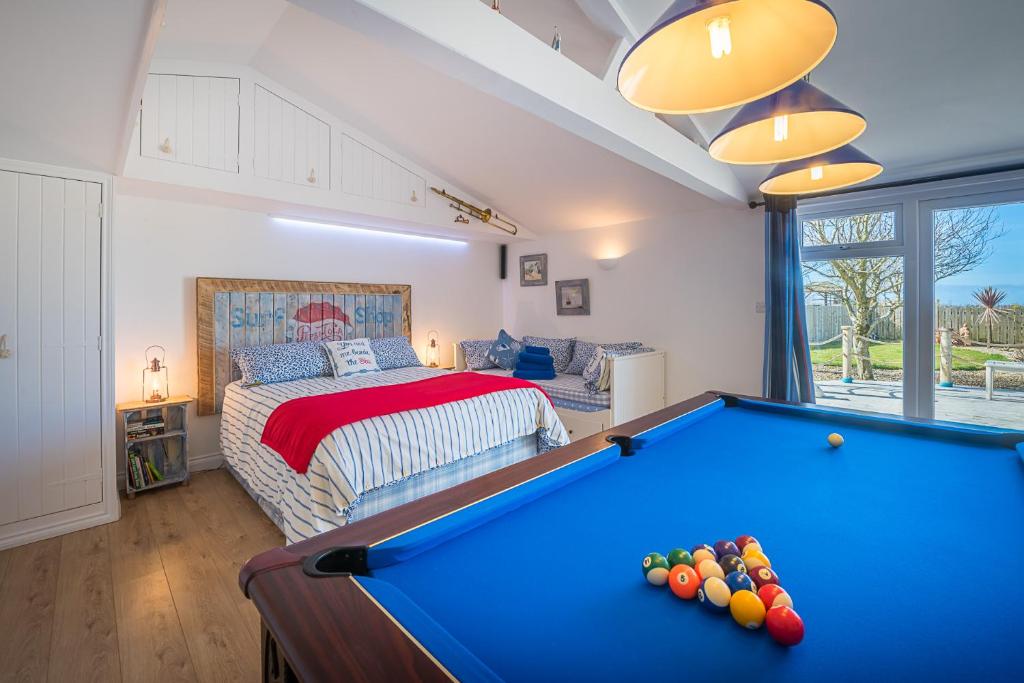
[
  {"x": 469, "y": 42},
  {"x": 609, "y": 15},
  {"x": 157, "y": 12}
]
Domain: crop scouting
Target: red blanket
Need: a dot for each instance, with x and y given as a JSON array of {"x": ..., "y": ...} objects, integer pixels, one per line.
[{"x": 297, "y": 427}]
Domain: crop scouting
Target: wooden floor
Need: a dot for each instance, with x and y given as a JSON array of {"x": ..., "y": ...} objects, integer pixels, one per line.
[{"x": 152, "y": 597}]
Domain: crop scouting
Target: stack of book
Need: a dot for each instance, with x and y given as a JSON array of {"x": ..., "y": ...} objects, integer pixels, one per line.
[
  {"x": 141, "y": 471},
  {"x": 151, "y": 426}
]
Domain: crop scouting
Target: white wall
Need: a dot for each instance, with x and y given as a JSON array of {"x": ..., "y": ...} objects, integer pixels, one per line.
[
  {"x": 687, "y": 284},
  {"x": 161, "y": 246}
]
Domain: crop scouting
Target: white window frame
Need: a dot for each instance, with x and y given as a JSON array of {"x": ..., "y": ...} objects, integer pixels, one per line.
[
  {"x": 829, "y": 251},
  {"x": 916, "y": 204}
]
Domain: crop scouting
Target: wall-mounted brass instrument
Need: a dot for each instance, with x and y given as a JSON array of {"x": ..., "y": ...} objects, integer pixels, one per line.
[{"x": 482, "y": 215}]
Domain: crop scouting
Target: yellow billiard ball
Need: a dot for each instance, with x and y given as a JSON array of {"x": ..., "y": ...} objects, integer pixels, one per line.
[{"x": 835, "y": 440}]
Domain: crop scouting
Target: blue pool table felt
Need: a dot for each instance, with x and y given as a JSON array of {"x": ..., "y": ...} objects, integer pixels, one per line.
[{"x": 904, "y": 556}]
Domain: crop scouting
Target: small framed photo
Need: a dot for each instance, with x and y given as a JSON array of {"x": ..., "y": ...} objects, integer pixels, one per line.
[
  {"x": 533, "y": 270},
  {"x": 573, "y": 297}
]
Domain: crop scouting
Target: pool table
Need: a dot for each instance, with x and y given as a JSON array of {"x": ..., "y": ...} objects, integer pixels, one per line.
[{"x": 903, "y": 551}]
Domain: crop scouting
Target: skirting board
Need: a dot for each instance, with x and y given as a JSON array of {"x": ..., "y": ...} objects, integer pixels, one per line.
[
  {"x": 58, "y": 524},
  {"x": 199, "y": 463}
]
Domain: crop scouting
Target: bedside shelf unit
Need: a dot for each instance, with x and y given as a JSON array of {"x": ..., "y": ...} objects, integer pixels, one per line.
[{"x": 163, "y": 448}]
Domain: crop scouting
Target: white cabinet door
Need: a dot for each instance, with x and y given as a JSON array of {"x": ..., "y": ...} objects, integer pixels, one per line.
[
  {"x": 191, "y": 120},
  {"x": 289, "y": 143},
  {"x": 368, "y": 173},
  {"x": 50, "y": 458}
]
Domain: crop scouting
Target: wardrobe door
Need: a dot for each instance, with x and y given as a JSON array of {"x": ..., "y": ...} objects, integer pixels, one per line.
[{"x": 50, "y": 456}]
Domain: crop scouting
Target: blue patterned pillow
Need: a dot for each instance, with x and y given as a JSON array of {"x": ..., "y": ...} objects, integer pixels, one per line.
[
  {"x": 281, "y": 362},
  {"x": 476, "y": 353},
  {"x": 394, "y": 352},
  {"x": 504, "y": 351},
  {"x": 585, "y": 350},
  {"x": 561, "y": 349}
]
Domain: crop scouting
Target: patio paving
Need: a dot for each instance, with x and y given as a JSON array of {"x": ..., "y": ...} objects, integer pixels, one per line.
[{"x": 956, "y": 404}]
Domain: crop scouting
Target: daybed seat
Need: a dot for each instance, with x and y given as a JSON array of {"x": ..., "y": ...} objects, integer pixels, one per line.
[{"x": 567, "y": 391}]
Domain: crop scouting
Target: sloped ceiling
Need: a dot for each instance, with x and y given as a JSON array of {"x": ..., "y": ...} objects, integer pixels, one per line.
[{"x": 67, "y": 77}]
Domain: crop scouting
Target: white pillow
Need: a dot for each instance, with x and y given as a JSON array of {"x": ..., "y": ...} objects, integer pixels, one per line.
[{"x": 351, "y": 357}]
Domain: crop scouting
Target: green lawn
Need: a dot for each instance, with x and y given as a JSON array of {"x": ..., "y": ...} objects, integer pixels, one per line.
[{"x": 890, "y": 356}]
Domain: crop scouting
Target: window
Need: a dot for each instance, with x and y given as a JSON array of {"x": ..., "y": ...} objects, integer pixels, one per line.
[{"x": 840, "y": 231}]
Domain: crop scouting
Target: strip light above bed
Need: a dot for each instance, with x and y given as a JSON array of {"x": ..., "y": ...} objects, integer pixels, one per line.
[{"x": 305, "y": 222}]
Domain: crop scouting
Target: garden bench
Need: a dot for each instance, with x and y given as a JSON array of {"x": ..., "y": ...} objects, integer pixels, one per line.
[{"x": 991, "y": 366}]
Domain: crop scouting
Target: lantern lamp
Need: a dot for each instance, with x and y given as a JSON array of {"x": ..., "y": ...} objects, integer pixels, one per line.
[
  {"x": 154, "y": 377},
  {"x": 707, "y": 55},
  {"x": 796, "y": 122},
  {"x": 433, "y": 349},
  {"x": 830, "y": 171}
]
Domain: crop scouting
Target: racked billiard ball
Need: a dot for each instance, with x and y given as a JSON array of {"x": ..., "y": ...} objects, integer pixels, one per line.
[
  {"x": 655, "y": 568},
  {"x": 680, "y": 556},
  {"x": 738, "y": 581},
  {"x": 755, "y": 558},
  {"x": 723, "y": 548},
  {"x": 764, "y": 576},
  {"x": 731, "y": 563},
  {"x": 747, "y": 609},
  {"x": 683, "y": 581},
  {"x": 743, "y": 541},
  {"x": 773, "y": 595},
  {"x": 703, "y": 547},
  {"x": 709, "y": 568},
  {"x": 784, "y": 625},
  {"x": 714, "y": 594}
]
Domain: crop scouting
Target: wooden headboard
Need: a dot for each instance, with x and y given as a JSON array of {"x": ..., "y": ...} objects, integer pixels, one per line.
[{"x": 234, "y": 313}]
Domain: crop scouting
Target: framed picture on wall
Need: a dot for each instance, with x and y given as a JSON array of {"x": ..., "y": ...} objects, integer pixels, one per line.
[
  {"x": 533, "y": 270},
  {"x": 573, "y": 297}
]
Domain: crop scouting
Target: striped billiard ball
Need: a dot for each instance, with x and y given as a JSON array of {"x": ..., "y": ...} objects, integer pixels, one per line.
[
  {"x": 655, "y": 568},
  {"x": 743, "y": 541},
  {"x": 714, "y": 594},
  {"x": 703, "y": 552},
  {"x": 709, "y": 568},
  {"x": 773, "y": 595}
]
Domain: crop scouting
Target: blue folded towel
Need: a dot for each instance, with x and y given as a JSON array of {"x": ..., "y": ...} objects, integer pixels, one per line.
[
  {"x": 530, "y": 364},
  {"x": 534, "y": 374},
  {"x": 525, "y": 357},
  {"x": 537, "y": 350}
]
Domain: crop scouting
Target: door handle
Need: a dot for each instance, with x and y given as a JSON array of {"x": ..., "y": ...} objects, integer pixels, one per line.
[{"x": 4, "y": 351}]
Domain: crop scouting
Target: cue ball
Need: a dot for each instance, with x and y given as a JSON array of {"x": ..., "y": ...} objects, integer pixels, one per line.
[
  {"x": 784, "y": 625},
  {"x": 835, "y": 440}
]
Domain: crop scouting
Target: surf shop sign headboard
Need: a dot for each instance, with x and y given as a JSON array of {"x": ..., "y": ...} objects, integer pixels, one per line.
[{"x": 234, "y": 313}]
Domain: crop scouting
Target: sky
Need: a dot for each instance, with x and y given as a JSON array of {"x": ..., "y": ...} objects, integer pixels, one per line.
[{"x": 1003, "y": 270}]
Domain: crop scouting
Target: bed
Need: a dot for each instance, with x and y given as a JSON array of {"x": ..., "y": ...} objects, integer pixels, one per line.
[
  {"x": 377, "y": 464},
  {"x": 370, "y": 465}
]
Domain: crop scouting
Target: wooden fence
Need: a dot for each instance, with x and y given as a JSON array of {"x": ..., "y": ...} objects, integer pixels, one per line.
[{"x": 824, "y": 323}]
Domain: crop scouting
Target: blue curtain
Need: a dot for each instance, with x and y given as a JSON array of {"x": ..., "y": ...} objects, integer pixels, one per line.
[{"x": 787, "y": 356}]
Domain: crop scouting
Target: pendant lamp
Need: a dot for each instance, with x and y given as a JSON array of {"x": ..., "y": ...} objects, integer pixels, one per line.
[
  {"x": 796, "y": 122},
  {"x": 830, "y": 171},
  {"x": 706, "y": 55}
]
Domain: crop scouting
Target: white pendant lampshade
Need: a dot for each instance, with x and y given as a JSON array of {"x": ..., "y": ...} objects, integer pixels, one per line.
[
  {"x": 706, "y": 55},
  {"x": 796, "y": 122},
  {"x": 830, "y": 171}
]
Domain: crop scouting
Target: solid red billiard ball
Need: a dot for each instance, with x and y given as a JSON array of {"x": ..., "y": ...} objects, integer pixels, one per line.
[
  {"x": 784, "y": 625},
  {"x": 763, "y": 576}
]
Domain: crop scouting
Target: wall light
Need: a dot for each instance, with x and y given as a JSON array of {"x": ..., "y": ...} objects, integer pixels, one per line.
[
  {"x": 287, "y": 220},
  {"x": 607, "y": 263}
]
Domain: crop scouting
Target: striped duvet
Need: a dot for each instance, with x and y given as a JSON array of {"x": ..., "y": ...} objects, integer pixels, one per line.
[{"x": 367, "y": 456}]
